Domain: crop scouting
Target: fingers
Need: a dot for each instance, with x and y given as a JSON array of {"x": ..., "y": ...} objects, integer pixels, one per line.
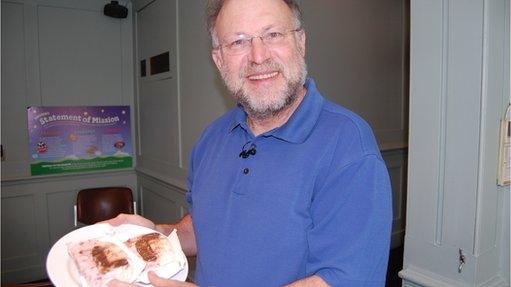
[
  {"x": 131, "y": 219},
  {"x": 116, "y": 220},
  {"x": 117, "y": 283},
  {"x": 160, "y": 282}
]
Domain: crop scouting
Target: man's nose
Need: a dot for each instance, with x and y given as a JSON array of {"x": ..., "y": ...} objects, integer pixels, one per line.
[{"x": 258, "y": 51}]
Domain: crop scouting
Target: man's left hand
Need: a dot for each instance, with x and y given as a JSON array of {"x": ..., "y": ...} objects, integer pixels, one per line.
[{"x": 155, "y": 281}]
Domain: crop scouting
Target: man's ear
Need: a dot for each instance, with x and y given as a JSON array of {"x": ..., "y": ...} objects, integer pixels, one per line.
[
  {"x": 216, "y": 54},
  {"x": 301, "y": 42}
]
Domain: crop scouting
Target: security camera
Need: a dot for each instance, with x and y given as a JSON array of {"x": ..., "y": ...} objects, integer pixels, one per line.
[{"x": 115, "y": 10}]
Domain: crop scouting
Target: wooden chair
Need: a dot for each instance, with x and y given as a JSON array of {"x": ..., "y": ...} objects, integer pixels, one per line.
[{"x": 97, "y": 204}]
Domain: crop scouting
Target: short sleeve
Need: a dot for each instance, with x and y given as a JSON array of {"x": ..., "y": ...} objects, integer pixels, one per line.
[
  {"x": 189, "y": 179},
  {"x": 352, "y": 216}
]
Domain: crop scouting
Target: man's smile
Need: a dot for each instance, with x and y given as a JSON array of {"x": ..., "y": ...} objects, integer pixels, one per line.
[{"x": 264, "y": 76}]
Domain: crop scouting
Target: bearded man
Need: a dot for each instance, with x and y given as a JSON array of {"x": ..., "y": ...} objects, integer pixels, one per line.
[{"x": 287, "y": 188}]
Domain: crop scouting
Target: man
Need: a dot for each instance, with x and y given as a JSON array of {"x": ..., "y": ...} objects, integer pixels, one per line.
[{"x": 287, "y": 188}]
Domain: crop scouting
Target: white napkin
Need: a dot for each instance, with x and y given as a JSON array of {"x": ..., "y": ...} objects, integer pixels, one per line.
[{"x": 175, "y": 262}]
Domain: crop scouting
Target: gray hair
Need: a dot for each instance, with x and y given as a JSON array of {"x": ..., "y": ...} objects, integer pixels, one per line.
[{"x": 213, "y": 8}]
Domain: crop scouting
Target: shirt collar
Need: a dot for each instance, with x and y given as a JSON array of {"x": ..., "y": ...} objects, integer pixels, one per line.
[{"x": 300, "y": 124}]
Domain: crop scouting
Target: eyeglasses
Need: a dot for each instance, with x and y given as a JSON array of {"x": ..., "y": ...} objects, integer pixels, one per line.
[{"x": 243, "y": 44}]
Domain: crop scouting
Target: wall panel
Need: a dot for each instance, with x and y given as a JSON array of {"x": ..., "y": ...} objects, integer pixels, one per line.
[
  {"x": 38, "y": 212},
  {"x": 60, "y": 212},
  {"x": 396, "y": 161},
  {"x": 14, "y": 92},
  {"x": 80, "y": 57},
  {"x": 161, "y": 202},
  {"x": 158, "y": 103},
  {"x": 20, "y": 213},
  {"x": 356, "y": 51}
]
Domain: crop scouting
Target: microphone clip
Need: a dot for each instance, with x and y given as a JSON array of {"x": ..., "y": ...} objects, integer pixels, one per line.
[{"x": 246, "y": 153}]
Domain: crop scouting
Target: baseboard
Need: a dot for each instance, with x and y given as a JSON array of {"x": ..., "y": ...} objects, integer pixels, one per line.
[
  {"x": 29, "y": 274},
  {"x": 413, "y": 277}
]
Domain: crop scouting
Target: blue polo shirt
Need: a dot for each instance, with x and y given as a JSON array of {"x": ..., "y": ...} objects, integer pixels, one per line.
[{"x": 315, "y": 198}]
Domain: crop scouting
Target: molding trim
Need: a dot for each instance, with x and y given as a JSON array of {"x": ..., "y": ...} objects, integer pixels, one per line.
[
  {"x": 425, "y": 279},
  {"x": 422, "y": 278},
  {"x": 171, "y": 182},
  {"x": 67, "y": 176},
  {"x": 440, "y": 184},
  {"x": 497, "y": 281}
]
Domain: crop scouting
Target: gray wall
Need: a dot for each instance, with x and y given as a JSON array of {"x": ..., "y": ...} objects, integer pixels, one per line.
[
  {"x": 357, "y": 54},
  {"x": 53, "y": 53}
]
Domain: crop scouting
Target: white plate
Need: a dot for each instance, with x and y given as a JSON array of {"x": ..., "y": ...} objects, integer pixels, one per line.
[{"x": 60, "y": 266}]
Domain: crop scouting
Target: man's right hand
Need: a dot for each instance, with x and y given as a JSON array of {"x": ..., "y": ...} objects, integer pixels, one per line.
[
  {"x": 154, "y": 281},
  {"x": 131, "y": 219},
  {"x": 184, "y": 227}
]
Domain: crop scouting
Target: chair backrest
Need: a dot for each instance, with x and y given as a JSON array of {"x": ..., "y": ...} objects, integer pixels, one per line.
[{"x": 98, "y": 204}]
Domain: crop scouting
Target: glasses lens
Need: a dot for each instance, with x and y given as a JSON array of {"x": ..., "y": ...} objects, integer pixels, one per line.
[
  {"x": 273, "y": 38},
  {"x": 238, "y": 46}
]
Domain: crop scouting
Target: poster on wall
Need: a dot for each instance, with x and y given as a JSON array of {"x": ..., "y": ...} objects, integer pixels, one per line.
[{"x": 79, "y": 139}]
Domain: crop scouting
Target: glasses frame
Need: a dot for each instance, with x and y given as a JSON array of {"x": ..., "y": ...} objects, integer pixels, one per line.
[{"x": 226, "y": 47}]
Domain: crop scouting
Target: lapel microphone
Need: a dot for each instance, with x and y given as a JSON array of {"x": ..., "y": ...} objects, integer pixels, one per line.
[{"x": 246, "y": 153}]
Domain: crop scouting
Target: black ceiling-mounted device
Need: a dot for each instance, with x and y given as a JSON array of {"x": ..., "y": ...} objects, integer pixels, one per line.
[{"x": 115, "y": 10}]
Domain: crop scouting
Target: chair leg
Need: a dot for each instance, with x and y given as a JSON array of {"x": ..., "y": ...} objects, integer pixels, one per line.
[{"x": 75, "y": 216}]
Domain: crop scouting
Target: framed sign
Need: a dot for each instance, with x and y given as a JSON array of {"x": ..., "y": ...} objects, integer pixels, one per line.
[{"x": 78, "y": 139}]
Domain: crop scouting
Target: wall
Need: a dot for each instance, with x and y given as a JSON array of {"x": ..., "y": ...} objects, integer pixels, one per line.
[
  {"x": 357, "y": 53},
  {"x": 54, "y": 52},
  {"x": 194, "y": 95}
]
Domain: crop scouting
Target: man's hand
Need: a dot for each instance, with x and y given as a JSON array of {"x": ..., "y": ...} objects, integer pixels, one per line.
[
  {"x": 160, "y": 282},
  {"x": 184, "y": 228},
  {"x": 311, "y": 281},
  {"x": 131, "y": 219},
  {"x": 155, "y": 281}
]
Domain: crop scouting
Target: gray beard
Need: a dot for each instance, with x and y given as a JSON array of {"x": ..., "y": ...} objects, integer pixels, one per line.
[
  {"x": 262, "y": 113},
  {"x": 286, "y": 97}
]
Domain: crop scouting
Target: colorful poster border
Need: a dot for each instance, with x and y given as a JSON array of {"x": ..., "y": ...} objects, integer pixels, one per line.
[{"x": 79, "y": 139}]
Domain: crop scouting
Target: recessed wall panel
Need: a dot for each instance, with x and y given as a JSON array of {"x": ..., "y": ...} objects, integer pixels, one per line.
[
  {"x": 80, "y": 57},
  {"x": 18, "y": 227},
  {"x": 14, "y": 85},
  {"x": 60, "y": 213},
  {"x": 160, "y": 203},
  {"x": 158, "y": 114}
]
